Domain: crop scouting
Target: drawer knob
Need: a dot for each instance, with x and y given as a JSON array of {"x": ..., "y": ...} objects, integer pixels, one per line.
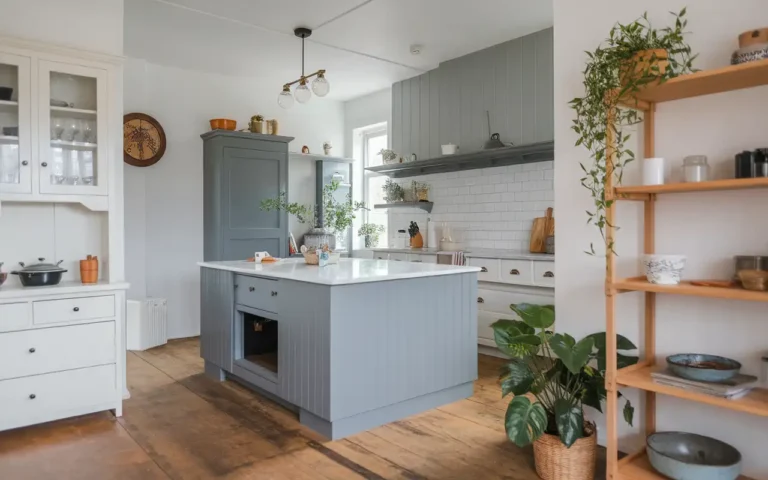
[
  {"x": 274, "y": 294},
  {"x": 32, "y": 396},
  {"x": 514, "y": 271},
  {"x": 25, "y": 163},
  {"x": 480, "y": 300},
  {"x": 483, "y": 270},
  {"x": 549, "y": 275},
  {"x": 44, "y": 164},
  {"x": 251, "y": 289},
  {"x": 32, "y": 350},
  {"x": 76, "y": 309}
]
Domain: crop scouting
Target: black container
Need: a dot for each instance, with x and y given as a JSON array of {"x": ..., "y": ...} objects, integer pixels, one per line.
[
  {"x": 745, "y": 164},
  {"x": 6, "y": 93},
  {"x": 259, "y": 335},
  {"x": 761, "y": 162},
  {"x": 39, "y": 279}
]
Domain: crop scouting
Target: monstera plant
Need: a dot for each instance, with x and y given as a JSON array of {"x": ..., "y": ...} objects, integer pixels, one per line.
[{"x": 561, "y": 374}]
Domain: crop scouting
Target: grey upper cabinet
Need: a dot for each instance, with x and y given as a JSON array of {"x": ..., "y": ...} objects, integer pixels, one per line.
[
  {"x": 513, "y": 81},
  {"x": 241, "y": 170}
]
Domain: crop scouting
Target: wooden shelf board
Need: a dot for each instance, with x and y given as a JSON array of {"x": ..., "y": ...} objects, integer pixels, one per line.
[
  {"x": 426, "y": 206},
  {"x": 707, "y": 82},
  {"x": 640, "y": 284},
  {"x": 640, "y": 469},
  {"x": 756, "y": 403},
  {"x": 713, "y": 185}
]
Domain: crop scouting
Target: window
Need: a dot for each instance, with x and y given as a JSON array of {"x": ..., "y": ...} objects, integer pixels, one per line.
[{"x": 374, "y": 140}]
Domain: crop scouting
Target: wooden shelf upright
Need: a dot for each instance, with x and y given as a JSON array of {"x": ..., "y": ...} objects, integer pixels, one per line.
[{"x": 636, "y": 466}]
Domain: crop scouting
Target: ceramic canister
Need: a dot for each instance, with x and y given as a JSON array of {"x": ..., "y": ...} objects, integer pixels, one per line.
[{"x": 653, "y": 171}]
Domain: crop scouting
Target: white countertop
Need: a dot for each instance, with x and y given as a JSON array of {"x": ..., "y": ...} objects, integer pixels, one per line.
[
  {"x": 15, "y": 290},
  {"x": 475, "y": 252},
  {"x": 347, "y": 271}
]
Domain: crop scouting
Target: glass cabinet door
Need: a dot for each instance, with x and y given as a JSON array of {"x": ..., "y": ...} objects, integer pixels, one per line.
[
  {"x": 16, "y": 124},
  {"x": 73, "y": 127}
]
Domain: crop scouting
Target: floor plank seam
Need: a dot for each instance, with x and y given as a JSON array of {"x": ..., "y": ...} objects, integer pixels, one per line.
[
  {"x": 149, "y": 455},
  {"x": 409, "y": 474}
]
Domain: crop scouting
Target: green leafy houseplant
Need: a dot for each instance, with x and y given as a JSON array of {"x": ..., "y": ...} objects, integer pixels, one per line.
[
  {"x": 562, "y": 374},
  {"x": 633, "y": 56},
  {"x": 371, "y": 232},
  {"x": 393, "y": 192},
  {"x": 337, "y": 216}
]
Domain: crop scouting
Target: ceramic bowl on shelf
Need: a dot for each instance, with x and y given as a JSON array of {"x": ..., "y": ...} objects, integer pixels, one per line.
[
  {"x": 754, "y": 280},
  {"x": 751, "y": 53},
  {"x": 223, "y": 124},
  {"x": 664, "y": 269},
  {"x": 703, "y": 368},
  {"x": 688, "y": 456}
]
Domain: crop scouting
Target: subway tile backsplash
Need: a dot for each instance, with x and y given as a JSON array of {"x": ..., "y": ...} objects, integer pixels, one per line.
[{"x": 492, "y": 207}]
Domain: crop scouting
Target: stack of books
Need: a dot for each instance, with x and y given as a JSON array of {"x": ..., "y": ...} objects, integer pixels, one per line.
[{"x": 732, "y": 389}]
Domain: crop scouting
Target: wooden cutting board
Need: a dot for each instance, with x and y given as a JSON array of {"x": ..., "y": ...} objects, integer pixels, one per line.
[{"x": 542, "y": 228}]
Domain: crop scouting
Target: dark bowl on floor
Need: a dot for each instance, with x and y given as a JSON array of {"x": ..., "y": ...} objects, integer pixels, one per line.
[
  {"x": 6, "y": 93},
  {"x": 687, "y": 456},
  {"x": 703, "y": 368},
  {"x": 11, "y": 131}
]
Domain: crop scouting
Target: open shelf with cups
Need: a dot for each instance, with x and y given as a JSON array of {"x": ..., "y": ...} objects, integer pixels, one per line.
[{"x": 637, "y": 466}]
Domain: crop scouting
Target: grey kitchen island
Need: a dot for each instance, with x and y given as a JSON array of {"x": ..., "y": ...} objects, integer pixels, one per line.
[{"x": 349, "y": 346}]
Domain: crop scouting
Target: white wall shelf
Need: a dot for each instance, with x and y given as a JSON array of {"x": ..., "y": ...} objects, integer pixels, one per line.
[{"x": 426, "y": 206}]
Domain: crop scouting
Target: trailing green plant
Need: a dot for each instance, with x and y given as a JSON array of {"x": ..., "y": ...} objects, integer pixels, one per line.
[
  {"x": 371, "y": 232},
  {"x": 337, "y": 215},
  {"x": 562, "y": 374},
  {"x": 393, "y": 192},
  {"x": 613, "y": 74}
]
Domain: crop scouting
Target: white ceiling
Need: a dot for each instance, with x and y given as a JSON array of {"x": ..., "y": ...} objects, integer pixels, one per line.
[{"x": 364, "y": 44}]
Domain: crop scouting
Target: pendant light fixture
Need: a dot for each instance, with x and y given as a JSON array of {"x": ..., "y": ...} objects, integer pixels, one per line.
[{"x": 302, "y": 93}]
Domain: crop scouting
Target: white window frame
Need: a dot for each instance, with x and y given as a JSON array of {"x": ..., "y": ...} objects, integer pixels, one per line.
[{"x": 378, "y": 130}]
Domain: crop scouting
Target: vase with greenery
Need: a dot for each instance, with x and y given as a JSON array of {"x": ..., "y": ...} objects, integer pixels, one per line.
[
  {"x": 370, "y": 232},
  {"x": 337, "y": 216},
  {"x": 633, "y": 56},
  {"x": 393, "y": 192},
  {"x": 561, "y": 374},
  {"x": 388, "y": 156}
]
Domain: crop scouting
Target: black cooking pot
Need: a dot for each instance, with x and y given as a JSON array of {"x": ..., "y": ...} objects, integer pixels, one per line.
[{"x": 40, "y": 274}]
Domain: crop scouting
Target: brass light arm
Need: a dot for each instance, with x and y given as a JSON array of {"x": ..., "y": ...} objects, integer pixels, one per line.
[{"x": 304, "y": 78}]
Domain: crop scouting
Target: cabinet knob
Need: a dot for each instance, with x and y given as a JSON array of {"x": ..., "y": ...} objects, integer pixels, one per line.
[
  {"x": 274, "y": 294},
  {"x": 480, "y": 300},
  {"x": 44, "y": 164},
  {"x": 514, "y": 271},
  {"x": 32, "y": 350},
  {"x": 76, "y": 309},
  {"x": 549, "y": 275},
  {"x": 483, "y": 269},
  {"x": 25, "y": 163},
  {"x": 251, "y": 289},
  {"x": 32, "y": 396}
]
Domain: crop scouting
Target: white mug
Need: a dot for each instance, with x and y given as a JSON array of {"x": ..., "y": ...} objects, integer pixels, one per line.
[
  {"x": 449, "y": 149},
  {"x": 653, "y": 171},
  {"x": 259, "y": 256}
]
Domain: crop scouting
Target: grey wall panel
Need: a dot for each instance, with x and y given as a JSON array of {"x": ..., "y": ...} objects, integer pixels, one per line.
[
  {"x": 545, "y": 85},
  {"x": 396, "y": 128},
  {"x": 217, "y": 301},
  {"x": 514, "y": 106},
  {"x": 400, "y": 348},
  {"x": 415, "y": 133},
  {"x": 529, "y": 89},
  {"x": 424, "y": 116},
  {"x": 434, "y": 114},
  {"x": 304, "y": 346},
  {"x": 406, "y": 119}
]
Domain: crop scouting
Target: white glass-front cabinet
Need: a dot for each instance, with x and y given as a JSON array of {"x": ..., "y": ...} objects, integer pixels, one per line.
[
  {"x": 72, "y": 129},
  {"x": 16, "y": 124}
]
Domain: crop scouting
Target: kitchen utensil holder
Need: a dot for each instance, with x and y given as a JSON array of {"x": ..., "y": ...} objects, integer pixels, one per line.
[{"x": 89, "y": 270}]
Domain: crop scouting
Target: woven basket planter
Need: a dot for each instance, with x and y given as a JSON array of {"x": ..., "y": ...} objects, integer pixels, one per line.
[{"x": 556, "y": 462}]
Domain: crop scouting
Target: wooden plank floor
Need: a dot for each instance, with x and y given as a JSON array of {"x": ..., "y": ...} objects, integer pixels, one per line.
[{"x": 179, "y": 424}]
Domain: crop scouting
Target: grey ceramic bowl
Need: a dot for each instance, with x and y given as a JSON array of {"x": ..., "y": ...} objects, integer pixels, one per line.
[
  {"x": 687, "y": 456},
  {"x": 703, "y": 368}
]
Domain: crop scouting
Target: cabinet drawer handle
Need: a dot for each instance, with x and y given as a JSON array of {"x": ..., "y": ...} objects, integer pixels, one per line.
[
  {"x": 514, "y": 271},
  {"x": 25, "y": 163},
  {"x": 251, "y": 289},
  {"x": 549, "y": 275},
  {"x": 32, "y": 350},
  {"x": 32, "y": 396},
  {"x": 480, "y": 300},
  {"x": 483, "y": 270},
  {"x": 274, "y": 294},
  {"x": 76, "y": 309}
]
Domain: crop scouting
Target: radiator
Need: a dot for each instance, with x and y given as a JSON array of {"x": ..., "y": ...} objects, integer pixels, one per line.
[{"x": 147, "y": 324}]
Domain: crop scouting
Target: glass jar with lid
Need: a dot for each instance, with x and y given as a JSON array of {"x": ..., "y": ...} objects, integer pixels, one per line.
[{"x": 695, "y": 168}]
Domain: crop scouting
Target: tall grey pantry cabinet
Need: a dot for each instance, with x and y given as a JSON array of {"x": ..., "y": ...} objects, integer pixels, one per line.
[{"x": 240, "y": 169}]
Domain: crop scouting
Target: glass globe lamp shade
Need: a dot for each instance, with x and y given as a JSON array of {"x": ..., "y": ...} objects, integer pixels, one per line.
[
  {"x": 302, "y": 93},
  {"x": 285, "y": 99},
  {"x": 320, "y": 86}
]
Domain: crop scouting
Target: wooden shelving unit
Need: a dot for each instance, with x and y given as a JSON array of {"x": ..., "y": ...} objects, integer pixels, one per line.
[{"x": 636, "y": 466}]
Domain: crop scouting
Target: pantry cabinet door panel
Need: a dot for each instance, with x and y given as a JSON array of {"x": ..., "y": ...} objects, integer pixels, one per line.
[{"x": 16, "y": 122}]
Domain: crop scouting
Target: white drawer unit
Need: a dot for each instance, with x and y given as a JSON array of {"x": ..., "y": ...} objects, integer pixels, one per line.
[
  {"x": 380, "y": 256},
  {"x": 493, "y": 304},
  {"x": 489, "y": 269},
  {"x": 42, "y": 398},
  {"x": 517, "y": 271},
  {"x": 73, "y": 309},
  {"x": 398, "y": 257},
  {"x": 419, "y": 258},
  {"x": 544, "y": 274},
  {"x": 14, "y": 316},
  {"x": 45, "y": 350}
]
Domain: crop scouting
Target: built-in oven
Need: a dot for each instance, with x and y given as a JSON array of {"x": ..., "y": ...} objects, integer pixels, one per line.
[{"x": 256, "y": 342}]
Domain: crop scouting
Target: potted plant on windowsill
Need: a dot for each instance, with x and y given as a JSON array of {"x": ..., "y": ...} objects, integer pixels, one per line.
[
  {"x": 336, "y": 217},
  {"x": 562, "y": 375},
  {"x": 634, "y": 56},
  {"x": 370, "y": 232}
]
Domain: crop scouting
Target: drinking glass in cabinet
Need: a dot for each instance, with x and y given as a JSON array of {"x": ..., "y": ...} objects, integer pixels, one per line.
[
  {"x": 9, "y": 163},
  {"x": 73, "y": 168},
  {"x": 57, "y": 166},
  {"x": 72, "y": 129},
  {"x": 86, "y": 166},
  {"x": 57, "y": 128},
  {"x": 89, "y": 132}
]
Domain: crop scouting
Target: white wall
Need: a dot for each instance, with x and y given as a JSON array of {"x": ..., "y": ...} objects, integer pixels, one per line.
[
  {"x": 364, "y": 111},
  {"x": 95, "y": 25},
  {"x": 709, "y": 228},
  {"x": 164, "y": 203}
]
